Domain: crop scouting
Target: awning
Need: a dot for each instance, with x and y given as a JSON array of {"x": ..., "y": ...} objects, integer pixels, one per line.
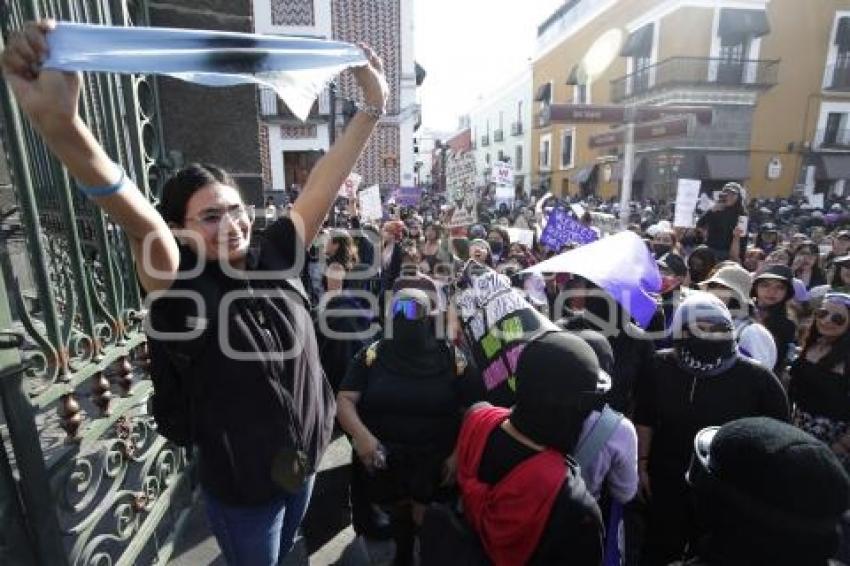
[
  {"x": 639, "y": 42},
  {"x": 420, "y": 73},
  {"x": 638, "y": 173},
  {"x": 582, "y": 174},
  {"x": 572, "y": 79},
  {"x": 833, "y": 167},
  {"x": 727, "y": 166},
  {"x": 737, "y": 25},
  {"x": 842, "y": 34},
  {"x": 544, "y": 92}
]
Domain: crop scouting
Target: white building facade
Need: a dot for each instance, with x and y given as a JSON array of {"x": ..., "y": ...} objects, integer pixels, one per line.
[
  {"x": 292, "y": 147},
  {"x": 501, "y": 130}
]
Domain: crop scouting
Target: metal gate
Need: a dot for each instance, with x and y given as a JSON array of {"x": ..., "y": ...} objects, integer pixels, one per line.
[{"x": 84, "y": 478}]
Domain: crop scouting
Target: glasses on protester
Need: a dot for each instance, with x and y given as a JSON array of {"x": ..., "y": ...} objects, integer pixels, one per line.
[
  {"x": 213, "y": 217},
  {"x": 410, "y": 309},
  {"x": 835, "y": 318}
]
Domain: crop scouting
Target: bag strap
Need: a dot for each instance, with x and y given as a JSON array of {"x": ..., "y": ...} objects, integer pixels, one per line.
[{"x": 603, "y": 429}]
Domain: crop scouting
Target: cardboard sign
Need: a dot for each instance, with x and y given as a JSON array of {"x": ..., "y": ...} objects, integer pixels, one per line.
[
  {"x": 521, "y": 236},
  {"x": 370, "y": 203},
  {"x": 502, "y": 173},
  {"x": 504, "y": 193},
  {"x": 562, "y": 229},
  {"x": 460, "y": 175},
  {"x": 687, "y": 196},
  {"x": 350, "y": 185},
  {"x": 498, "y": 323}
]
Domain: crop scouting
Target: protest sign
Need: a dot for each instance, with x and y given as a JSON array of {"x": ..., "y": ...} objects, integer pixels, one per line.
[
  {"x": 502, "y": 173},
  {"x": 498, "y": 323},
  {"x": 816, "y": 200},
  {"x": 687, "y": 195},
  {"x": 578, "y": 210},
  {"x": 521, "y": 236},
  {"x": 562, "y": 228},
  {"x": 408, "y": 196},
  {"x": 462, "y": 216},
  {"x": 504, "y": 193},
  {"x": 370, "y": 203},
  {"x": 460, "y": 175},
  {"x": 350, "y": 185}
]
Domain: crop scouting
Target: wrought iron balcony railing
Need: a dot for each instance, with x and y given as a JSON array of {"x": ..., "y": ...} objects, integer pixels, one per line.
[
  {"x": 516, "y": 129},
  {"x": 499, "y": 135},
  {"x": 485, "y": 140},
  {"x": 699, "y": 72}
]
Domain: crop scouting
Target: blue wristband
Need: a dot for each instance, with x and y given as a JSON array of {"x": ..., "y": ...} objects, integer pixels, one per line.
[{"x": 105, "y": 191}]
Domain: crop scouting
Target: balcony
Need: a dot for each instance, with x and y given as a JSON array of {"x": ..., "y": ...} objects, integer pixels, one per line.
[
  {"x": 838, "y": 77},
  {"x": 485, "y": 140},
  {"x": 696, "y": 72},
  {"x": 832, "y": 139},
  {"x": 499, "y": 135},
  {"x": 273, "y": 109},
  {"x": 516, "y": 129}
]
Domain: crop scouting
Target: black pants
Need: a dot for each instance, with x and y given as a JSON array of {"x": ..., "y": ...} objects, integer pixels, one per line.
[{"x": 670, "y": 521}]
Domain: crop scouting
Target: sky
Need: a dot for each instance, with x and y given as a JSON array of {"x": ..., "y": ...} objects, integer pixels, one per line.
[{"x": 469, "y": 48}]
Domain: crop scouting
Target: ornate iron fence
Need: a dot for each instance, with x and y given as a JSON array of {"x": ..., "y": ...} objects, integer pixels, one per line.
[{"x": 84, "y": 478}]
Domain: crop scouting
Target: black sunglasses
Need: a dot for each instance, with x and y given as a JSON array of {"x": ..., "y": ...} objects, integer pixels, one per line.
[{"x": 835, "y": 318}]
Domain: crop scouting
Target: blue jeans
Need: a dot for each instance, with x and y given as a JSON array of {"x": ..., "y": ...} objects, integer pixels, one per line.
[{"x": 259, "y": 535}]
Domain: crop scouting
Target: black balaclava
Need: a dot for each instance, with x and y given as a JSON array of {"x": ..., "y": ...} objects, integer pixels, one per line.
[
  {"x": 661, "y": 249},
  {"x": 558, "y": 384},
  {"x": 767, "y": 493},
  {"x": 413, "y": 347},
  {"x": 699, "y": 352}
]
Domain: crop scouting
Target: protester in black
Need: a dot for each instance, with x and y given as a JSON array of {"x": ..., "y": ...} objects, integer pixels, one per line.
[
  {"x": 772, "y": 289},
  {"x": 400, "y": 403},
  {"x": 261, "y": 418},
  {"x": 719, "y": 223},
  {"x": 766, "y": 494},
  {"x": 701, "y": 382}
]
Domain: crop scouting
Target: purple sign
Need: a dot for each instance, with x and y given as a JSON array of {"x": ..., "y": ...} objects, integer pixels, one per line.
[
  {"x": 562, "y": 229},
  {"x": 408, "y": 196}
]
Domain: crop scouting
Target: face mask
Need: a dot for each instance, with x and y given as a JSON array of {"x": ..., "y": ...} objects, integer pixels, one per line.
[
  {"x": 496, "y": 247},
  {"x": 701, "y": 356},
  {"x": 661, "y": 249}
]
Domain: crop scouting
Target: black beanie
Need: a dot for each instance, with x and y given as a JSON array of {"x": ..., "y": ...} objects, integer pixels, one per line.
[
  {"x": 558, "y": 383},
  {"x": 772, "y": 482}
]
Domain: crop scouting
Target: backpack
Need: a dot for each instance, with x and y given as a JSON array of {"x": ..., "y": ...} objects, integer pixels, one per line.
[{"x": 174, "y": 390}]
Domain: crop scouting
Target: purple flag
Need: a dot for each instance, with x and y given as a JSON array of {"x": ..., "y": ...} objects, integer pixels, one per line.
[
  {"x": 562, "y": 228},
  {"x": 621, "y": 265},
  {"x": 408, "y": 196}
]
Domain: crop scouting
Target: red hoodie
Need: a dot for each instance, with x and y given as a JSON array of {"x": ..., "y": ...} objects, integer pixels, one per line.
[{"x": 510, "y": 516}]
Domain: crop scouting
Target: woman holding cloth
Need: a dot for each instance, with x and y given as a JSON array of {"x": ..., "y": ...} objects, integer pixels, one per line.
[{"x": 260, "y": 419}]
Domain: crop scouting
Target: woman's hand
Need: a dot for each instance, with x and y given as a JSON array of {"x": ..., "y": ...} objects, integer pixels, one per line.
[
  {"x": 449, "y": 470},
  {"x": 371, "y": 79},
  {"x": 48, "y": 98},
  {"x": 366, "y": 447}
]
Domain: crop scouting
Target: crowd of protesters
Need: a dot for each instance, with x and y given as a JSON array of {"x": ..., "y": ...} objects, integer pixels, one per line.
[{"x": 716, "y": 431}]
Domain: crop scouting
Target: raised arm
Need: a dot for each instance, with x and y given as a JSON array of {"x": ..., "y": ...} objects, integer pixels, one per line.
[
  {"x": 330, "y": 171},
  {"x": 49, "y": 99}
]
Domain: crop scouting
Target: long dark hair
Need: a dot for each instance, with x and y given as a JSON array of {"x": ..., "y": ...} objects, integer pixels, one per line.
[
  {"x": 812, "y": 248},
  {"x": 179, "y": 189},
  {"x": 839, "y": 351},
  {"x": 346, "y": 253},
  {"x": 836, "y": 275}
]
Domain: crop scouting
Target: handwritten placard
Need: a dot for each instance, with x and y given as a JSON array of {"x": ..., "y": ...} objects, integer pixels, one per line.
[
  {"x": 687, "y": 196},
  {"x": 370, "y": 203},
  {"x": 562, "y": 228}
]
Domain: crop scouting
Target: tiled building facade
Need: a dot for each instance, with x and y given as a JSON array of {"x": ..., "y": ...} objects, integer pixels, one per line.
[{"x": 387, "y": 27}]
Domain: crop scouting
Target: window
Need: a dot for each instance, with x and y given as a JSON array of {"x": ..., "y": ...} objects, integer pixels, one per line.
[
  {"x": 487, "y": 158},
  {"x": 835, "y": 132},
  {"x": 731, "y": 65},
  {"x": 519, "y": 111},
  {"x": 641, "y": 64},
  {"x": 545, "y": 148},
  {"x": 580, "y": 94},
  {"x": 518, "y": 158},
  {"x": 501, "y": 119},
  {"x": 567, "y": 148}
]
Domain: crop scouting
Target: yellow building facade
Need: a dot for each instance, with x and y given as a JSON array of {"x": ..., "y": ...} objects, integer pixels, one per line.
[{"x": 775, "y": 72}]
